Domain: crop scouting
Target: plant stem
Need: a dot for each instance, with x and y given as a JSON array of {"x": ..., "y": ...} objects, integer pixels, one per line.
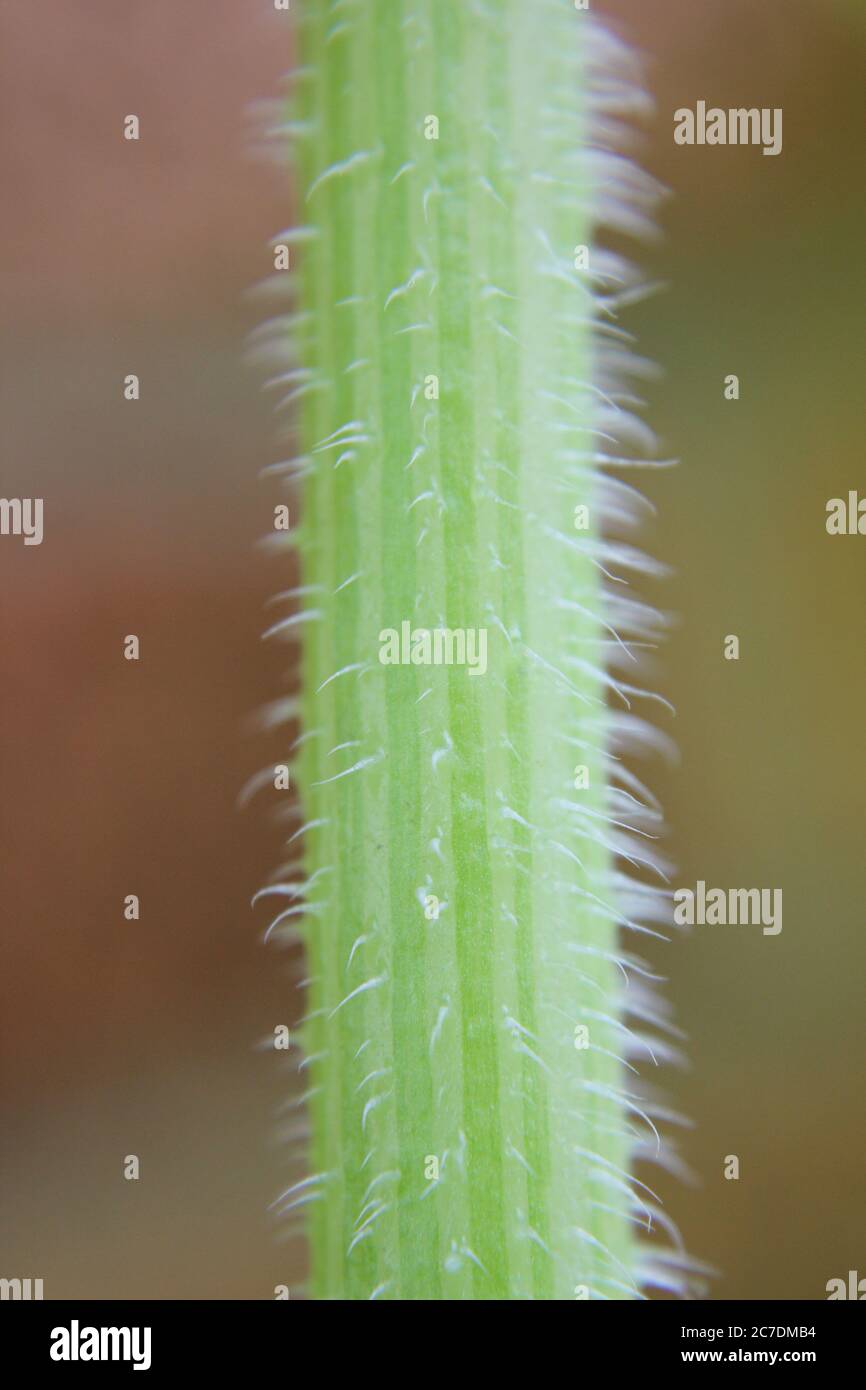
[{"x": 445, "y": 1036}]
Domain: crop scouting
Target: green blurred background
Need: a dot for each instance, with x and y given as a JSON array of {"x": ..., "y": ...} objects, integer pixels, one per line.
[{"x": 117, "y": 778}]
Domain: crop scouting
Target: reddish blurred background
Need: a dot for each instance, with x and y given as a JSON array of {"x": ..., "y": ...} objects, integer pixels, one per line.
[{"x": 116, "y": 257}]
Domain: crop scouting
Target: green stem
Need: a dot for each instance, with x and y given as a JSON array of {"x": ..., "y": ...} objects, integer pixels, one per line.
[{"x": 449, "y": 1039}]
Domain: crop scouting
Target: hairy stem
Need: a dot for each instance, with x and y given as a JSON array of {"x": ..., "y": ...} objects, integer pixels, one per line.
[{"x": 472, "y": 1121}]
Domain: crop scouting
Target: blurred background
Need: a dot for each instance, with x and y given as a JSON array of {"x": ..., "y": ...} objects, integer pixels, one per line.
[{"x": 117, "y": 777}]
